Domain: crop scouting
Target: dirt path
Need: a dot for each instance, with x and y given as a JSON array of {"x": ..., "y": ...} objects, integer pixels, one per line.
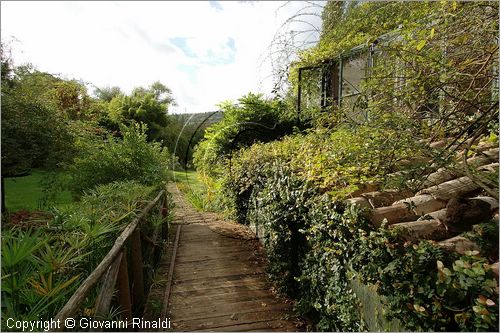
[{"x": 218, "y": 281}]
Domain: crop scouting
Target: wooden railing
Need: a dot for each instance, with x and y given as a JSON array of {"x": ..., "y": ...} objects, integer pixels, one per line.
[{"x": 113, "y": 270}]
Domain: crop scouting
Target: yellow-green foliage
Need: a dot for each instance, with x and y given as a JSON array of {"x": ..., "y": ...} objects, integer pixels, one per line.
[
  {"x": 252, "y": 119},
  {"x": 345, "y": 28},
  {"x": 336, "y": 161}
]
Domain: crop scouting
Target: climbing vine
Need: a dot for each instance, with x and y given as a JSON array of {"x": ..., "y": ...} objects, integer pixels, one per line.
[{"x": 426, "y": 287}]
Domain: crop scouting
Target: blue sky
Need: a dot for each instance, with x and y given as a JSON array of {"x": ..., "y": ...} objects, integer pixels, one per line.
[{"x": 205, "y": 51}]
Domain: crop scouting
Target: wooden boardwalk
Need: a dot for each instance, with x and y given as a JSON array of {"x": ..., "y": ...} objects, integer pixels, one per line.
[{"x": 218, "y": 281}]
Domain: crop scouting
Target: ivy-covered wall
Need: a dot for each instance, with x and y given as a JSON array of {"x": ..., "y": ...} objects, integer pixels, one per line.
[
  {"x": 347, "y": 275},
  {"x": 372, "y": 310}
]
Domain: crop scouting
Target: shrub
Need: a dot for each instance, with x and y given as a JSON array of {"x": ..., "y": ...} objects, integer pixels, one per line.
[
  {"x": 316, "y": 245},
  {"x": 254, "y": 119},
  {"x": 42, "y": 268},
  {"x": 130, "y": 158},
  {"x": 427, "y": 288}
]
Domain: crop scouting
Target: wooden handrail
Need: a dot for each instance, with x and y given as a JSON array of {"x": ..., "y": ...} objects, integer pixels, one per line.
[{"x": 79, "y": 295}]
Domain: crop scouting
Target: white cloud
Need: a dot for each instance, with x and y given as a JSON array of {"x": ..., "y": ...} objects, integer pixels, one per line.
[{"x": 128, "y": 44}]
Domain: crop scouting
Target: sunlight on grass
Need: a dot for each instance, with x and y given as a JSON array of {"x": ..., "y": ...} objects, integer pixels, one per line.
[
  {"x": 196, "y": 191},
  {"x": 26, "y": 192}
]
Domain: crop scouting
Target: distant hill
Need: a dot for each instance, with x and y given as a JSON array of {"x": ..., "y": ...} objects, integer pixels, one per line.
[{"x": 195, "y": 119}]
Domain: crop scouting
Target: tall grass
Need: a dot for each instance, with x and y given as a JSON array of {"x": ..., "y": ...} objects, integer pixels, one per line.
[{"x": 197, "y": 190}]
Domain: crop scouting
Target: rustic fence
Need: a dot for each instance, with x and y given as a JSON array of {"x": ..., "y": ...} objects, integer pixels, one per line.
[{"x": 132, "y": 248}]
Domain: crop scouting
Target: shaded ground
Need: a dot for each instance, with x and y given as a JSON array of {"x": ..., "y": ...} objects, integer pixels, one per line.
[{"x": 218, "y": 280}]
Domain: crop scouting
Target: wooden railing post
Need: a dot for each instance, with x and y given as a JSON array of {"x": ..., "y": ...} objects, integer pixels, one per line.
[
  {"x": 164, "y": 213},
  {"x": 137, "y": 273},
  {"x": 124, "y": 289},
  {"x": 103, "y": 301},
  {"x": 116, "y": 257}
]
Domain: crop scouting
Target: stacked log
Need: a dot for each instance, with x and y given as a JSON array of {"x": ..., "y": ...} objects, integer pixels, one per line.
[
  {"x": 458, "y": 244},
  {"x": 443, "y": 209},
  {"x": 450, "y": 189},
  {"x": 360, "y": 202},
  {"x": 422, "y": 204},
  {"x": 440, "y": 176},
  {"x": 494, "y": 268},
  {"x": 424, "y": 229},
  {"x": 392, "y": 214},
  {"x": 385, "y": 198}
]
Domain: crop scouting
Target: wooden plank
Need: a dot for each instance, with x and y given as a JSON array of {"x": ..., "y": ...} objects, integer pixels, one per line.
[
  {"x": 223, "y": 280},
  {"x": 210, "y": 258},
  {"x": 218, "y": 282},
  {"x": 211, "y": 302},
  {"x": 229, "y": 291},
  {"x": 239, "y": 317},
  {"x": 244, "y": 284},
  {"x": 222, "y": 308},
  {"x": 137, "y": 269},
  {"x": 218, "y": 264},
  {"x": 123, "y": 286},
  {"x": 204, "y": 236},
  {"x": 107, "y": 289},
  {"x": 187, "y": 252},
  {"x": 170, "y": 275},
  {"x": 79, "y": 295},
  {"x": 262, "y": 326},
  {"x": 194, "y": 273}
]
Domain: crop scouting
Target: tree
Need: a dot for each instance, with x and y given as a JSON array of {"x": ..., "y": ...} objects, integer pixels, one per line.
[
  {"x": 42, "y": 116},
  {"x": 142, "y": 108},
  {"x": 34, "y": 132},
  {"x": 72, "y": 99},
  {"x": 106, "y": 94},
  {"x": 144, "y": 105},
  {"x": 254, "y": 119},
  {"x": 162, "y": 93}
]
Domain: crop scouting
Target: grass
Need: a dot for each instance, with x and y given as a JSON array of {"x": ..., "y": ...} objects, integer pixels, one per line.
[
  {"x": 27, "y": 192},
  {"x": 189, "y": 179},
  {"x": 197, "y": 192}
]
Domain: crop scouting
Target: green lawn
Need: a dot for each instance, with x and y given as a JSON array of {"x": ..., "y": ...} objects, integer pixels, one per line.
[
  {"x": 26, "y": 192},
  {"x": 200, "y": 196},
  {"x": 189, "y": 179}
]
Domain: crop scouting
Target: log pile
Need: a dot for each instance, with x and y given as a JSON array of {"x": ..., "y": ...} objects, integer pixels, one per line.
[{"x": 449, "y": 204}]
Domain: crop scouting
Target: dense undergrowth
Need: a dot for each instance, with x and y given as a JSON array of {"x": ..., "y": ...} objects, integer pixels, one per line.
[
  {"x": 46, "y": 256},
  {"x": 312, "y": 238},
  {"x": 43, "y": 262}
]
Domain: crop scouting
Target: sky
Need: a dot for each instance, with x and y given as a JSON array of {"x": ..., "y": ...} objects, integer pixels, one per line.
[{"x": 206, "y": 52}]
